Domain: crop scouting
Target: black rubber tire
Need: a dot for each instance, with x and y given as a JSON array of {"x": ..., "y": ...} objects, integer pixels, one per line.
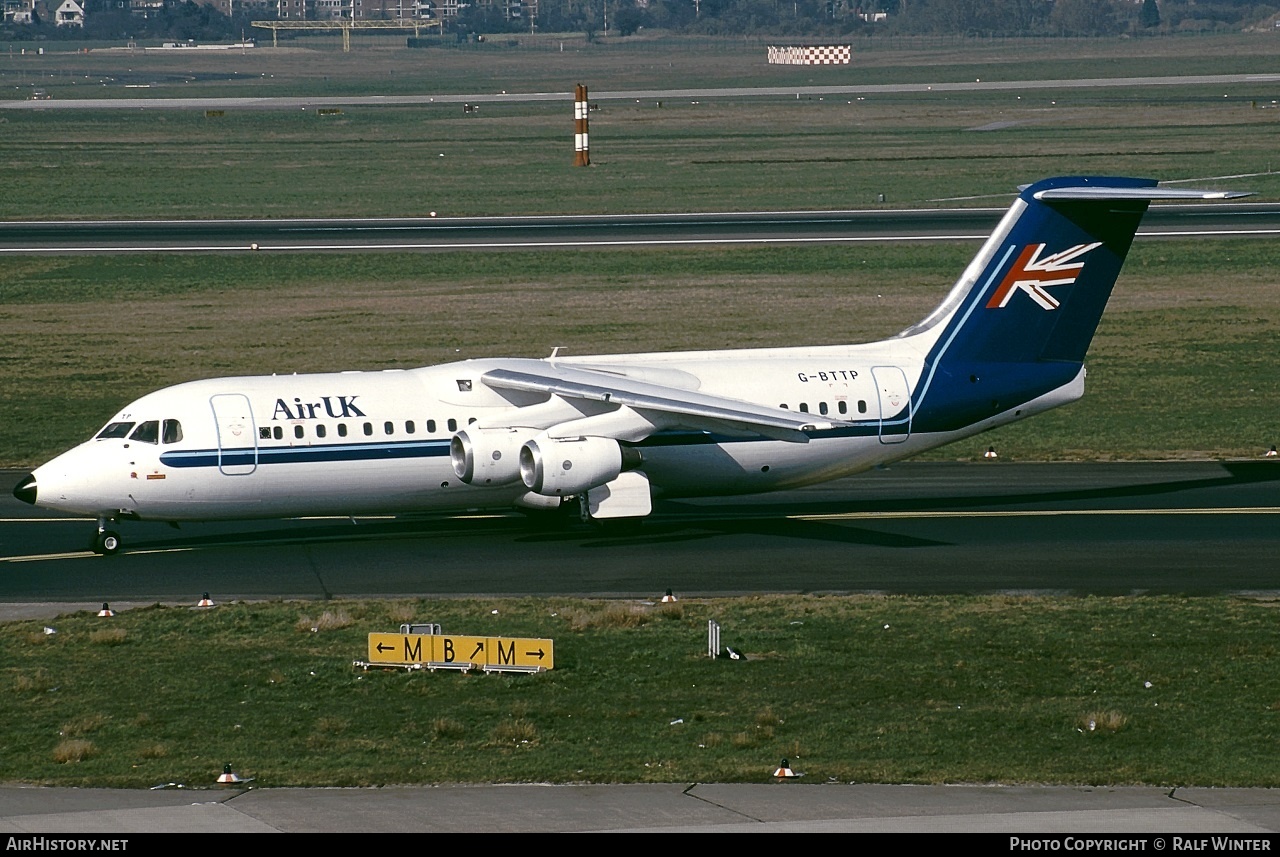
[{"x": 107, "y": 543}]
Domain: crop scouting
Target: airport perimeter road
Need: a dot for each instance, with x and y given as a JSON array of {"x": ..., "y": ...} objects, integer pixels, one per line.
[
  {"x": 296, "y": 102},
  {"x": 1175, "y": 527},
  {"x": 1249, "y": 816},
  {"x": 571, "y": 232}
]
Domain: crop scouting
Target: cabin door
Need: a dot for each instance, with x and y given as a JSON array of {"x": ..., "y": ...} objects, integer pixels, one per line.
[
  {"x": 895, "y": 403},
  {"x": 237, "y": 434}
]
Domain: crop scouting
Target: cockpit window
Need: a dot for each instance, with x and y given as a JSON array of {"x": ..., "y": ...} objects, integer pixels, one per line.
[
  {"x": 172, "y": 431},
  {"x": 115, "y": 430},
  {"x": 148, "y": 432}
]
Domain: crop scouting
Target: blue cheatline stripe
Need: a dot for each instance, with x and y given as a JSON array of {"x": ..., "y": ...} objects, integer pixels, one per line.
[
  {"x": 977, "y": 294},
  {"x": 308, "y": 454},
  {"x": 440, "y": 448}
]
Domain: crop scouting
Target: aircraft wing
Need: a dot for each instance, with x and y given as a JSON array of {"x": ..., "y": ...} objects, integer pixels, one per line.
[{"x": 659, "y": 405}]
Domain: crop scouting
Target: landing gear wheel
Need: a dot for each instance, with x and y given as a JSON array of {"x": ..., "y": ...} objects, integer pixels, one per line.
[{"x": 107, "y": 543}]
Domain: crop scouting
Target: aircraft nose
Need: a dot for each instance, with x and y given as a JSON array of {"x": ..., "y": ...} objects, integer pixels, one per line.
[{"x": 26, "y": 489}]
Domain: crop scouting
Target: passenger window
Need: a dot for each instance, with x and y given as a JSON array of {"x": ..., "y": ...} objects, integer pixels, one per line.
[
  {"x": 804, "y": 407},
  {"x": 342, "y": 429},
  {"x": 172, "y": 431},
  {"x": 842, "y": 406},
  {"x": 368, "y": 429},
  {"x": 115, "y": 430},
  {"x": 278, "y": 432},
  {"x": 389, "y": 427},
  {"x": 321, "y": 431},
  {"x": 408, "y": 427},
  {"x": 148, "y": 432},
  {"x": 297, "y": 431},
  {"x": 862, "y": 406},
  {"x": 453, "y": 424},
  {"x": 431, "y": 426},
  {"x": 822, "y": 408}
]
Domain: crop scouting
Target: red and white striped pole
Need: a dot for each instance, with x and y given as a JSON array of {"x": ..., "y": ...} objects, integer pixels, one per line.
[{"x": 581, "y": 153}]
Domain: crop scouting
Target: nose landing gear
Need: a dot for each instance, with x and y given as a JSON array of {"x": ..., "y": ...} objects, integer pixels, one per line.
[{"x": 106, "y": 542}]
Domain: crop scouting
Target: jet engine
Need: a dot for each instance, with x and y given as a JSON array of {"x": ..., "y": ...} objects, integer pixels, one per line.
[
  {"x": 554, "y": 467},
  {"x": 487, "y": 456}
]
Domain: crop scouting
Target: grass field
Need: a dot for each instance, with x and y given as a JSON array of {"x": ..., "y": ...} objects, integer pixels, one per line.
[
  {"x": 729, "y": 153},
  {"x": 1163, "y": 691},
  {"x": 743, "y": 155}
]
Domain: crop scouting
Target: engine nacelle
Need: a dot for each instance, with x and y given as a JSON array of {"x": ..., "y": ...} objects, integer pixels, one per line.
[
  {"x": 558, "y": 468},
  {"x": 487, "y": 456}
]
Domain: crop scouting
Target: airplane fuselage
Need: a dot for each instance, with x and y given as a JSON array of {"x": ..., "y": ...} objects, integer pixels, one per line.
[{"x": 354, "y": 443}]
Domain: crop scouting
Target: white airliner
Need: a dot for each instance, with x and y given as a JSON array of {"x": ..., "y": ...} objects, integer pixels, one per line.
[{"x": 614, "y": 431}]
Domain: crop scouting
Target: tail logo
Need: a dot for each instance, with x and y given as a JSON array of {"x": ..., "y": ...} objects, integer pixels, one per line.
[{"x": 1034, "y": 273}]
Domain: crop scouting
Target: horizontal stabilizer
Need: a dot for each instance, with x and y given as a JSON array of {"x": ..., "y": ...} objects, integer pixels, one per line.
[{"x": 1147, "y": 193}]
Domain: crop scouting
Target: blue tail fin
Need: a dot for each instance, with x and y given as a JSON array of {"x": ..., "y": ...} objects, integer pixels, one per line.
[{"x": 1018, "y": 323}]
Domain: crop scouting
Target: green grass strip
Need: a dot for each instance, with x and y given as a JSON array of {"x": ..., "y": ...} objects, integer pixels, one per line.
[{"x": 1149, "y": 690}]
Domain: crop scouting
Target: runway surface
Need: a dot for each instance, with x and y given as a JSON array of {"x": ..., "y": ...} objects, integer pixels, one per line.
[
  {"x": 296, "y": 102},
  {"x": 570, "y": 232},
  {"x": 1105, "y": 528}
]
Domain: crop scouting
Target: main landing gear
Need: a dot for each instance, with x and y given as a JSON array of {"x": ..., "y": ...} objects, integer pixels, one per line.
[{"x": 106, "y": 542}]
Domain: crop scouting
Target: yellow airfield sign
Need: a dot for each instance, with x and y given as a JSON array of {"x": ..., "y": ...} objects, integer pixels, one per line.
[{"x": 455, "y": 650}]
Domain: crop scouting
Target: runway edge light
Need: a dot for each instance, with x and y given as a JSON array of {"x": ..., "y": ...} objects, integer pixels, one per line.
[
  {"x": 784, "y": 770},
  {"x": 205, "y": 601},
  {"x": 230, "y": 777},
  {"x": 106, "y": 610}
]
